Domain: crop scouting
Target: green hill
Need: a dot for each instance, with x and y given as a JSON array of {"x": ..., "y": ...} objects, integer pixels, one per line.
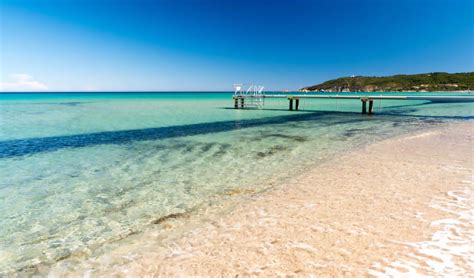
[{"x": 427, "y": 82}]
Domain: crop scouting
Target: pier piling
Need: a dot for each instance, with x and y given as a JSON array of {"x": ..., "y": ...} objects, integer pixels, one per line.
[
  {"x": 371, "y": 106},
  {"x": 297, "y": 103},
  {"x": 364, "y": 106}
]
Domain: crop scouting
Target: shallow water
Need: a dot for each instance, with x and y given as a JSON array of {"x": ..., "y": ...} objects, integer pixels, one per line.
[
  {"x": 449, "y": 251},
  {"x": 83, "y": 170}
]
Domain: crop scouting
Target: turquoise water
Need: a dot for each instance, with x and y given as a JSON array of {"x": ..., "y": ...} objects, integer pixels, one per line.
[{"x": 80, "y": 171}]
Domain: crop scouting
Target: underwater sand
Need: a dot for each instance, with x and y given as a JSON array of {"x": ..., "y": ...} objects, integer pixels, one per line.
[{"x": 403, "y": 206}]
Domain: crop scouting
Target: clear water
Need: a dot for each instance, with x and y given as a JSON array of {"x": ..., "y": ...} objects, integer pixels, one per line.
[{"x": 82, "y": 170}]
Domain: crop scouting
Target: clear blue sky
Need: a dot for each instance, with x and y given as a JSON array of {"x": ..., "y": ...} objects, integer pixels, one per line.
[{"x": 209, "y": 45}]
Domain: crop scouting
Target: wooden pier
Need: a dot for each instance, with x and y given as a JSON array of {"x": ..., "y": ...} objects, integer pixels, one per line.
[{"x": 295, "y": 99}]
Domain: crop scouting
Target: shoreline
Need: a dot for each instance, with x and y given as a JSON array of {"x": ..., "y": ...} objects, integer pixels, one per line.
[{"x": 342, "y": 217}]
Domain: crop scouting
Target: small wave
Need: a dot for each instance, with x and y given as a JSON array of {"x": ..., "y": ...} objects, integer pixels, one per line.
[
  {"x": 425, "y": 134},
  {"x": 450, "y": 251}
]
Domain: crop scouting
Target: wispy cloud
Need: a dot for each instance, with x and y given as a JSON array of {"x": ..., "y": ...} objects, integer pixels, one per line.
[{"x": 22, "y": 82}]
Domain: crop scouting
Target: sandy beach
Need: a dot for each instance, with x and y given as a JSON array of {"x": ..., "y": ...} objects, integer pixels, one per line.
[
  {"x": 400, "y": 206},
  {"x": 241, "y": 138}
]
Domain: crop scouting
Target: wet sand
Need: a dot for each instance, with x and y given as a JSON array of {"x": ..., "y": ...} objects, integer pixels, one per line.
[{"x": 400, "y": 206}]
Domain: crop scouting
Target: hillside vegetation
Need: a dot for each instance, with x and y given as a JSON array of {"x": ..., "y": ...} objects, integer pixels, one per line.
[{"x": 428, "y": 82}]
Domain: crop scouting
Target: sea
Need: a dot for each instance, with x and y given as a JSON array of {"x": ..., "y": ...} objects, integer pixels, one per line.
[{"x": 82, "y": 171}]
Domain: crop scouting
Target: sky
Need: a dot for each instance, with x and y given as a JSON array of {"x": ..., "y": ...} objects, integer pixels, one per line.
[{"x": 208, "y": 45}]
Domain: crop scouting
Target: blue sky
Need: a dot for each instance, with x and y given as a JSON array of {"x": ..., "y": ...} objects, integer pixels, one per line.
[{"x": 138, "y": 45}]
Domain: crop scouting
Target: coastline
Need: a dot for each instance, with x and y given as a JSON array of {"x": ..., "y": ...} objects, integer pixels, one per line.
[{"x": 380, "y": 210}]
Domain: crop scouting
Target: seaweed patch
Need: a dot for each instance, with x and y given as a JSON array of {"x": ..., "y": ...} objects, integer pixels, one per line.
[
  {"x": 169, "y": 217},
  {"x": 223, "y": 148},
  {"x": 272, "y": 150},
  {"x": 296, "y": 138}
]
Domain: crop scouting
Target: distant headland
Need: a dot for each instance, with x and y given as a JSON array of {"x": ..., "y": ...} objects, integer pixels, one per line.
[{"x": 427, "y": 82}]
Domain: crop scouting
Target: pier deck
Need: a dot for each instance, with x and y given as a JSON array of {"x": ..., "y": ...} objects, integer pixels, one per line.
[{"x": 364, "y": 99}]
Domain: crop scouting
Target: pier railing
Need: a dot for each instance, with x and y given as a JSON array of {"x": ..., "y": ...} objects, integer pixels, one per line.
[{"x": 252, "y": 97}]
